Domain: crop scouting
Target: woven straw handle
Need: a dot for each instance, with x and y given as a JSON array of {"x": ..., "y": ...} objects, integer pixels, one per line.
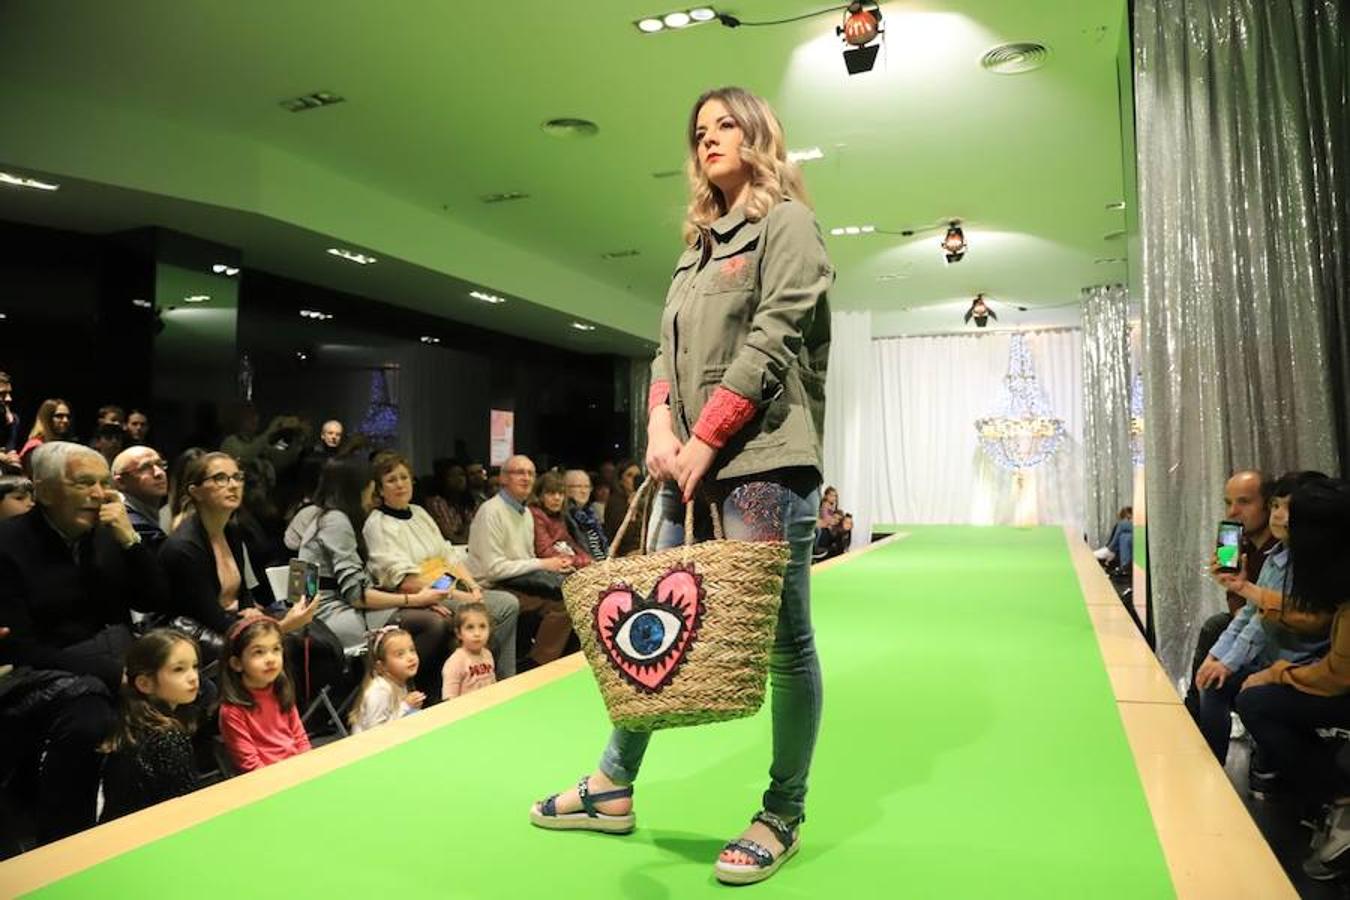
[{"x": 644, "y": 497}]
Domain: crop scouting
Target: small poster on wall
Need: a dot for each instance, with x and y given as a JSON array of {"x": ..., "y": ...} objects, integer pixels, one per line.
[{"x": 502, "y": 436}]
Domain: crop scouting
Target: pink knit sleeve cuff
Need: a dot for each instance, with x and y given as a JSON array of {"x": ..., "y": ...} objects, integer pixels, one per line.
[
  {"x": 726, "y": 413},
  {"x": 657, "y": 395}
]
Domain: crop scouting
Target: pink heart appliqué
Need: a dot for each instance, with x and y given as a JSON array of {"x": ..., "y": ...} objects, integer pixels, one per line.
[{"x": 646, "y": 639}]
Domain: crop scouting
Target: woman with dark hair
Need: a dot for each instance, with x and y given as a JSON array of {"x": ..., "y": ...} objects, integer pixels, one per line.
[
  {"x": 171, "y": 513},
  {"x": 555, "y": 534},
  {"x": 348, "y": 603},
  {"x": 1285, "y": 704},
  {"x": 53, "y": 423},
  {"x": 626, "y": 481}
]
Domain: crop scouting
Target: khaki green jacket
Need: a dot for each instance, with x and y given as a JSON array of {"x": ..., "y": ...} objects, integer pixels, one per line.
[{"x": 750, "y": 313}]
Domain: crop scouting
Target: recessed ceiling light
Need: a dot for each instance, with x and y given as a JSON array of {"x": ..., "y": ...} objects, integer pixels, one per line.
[
  {"x": 311, "y": 101},
  {"x": 142, "y": 303},
  {"x": 676, "y": 19},
  {"x": 504, "y": 197},
  {"x": 650, "y": 26},
  {"x": 1119, "y": 204},
  {"x": 301, "y": 355},
  {"x": 1015, "y": 58},
  {"x": 196, "y": 298},
  {"x": 4, "y": 315},
  {"x": 582, "y": 326},
  {"x": 486, "y": 298},
  {"x": 222, "y": 269},
  {"x": 428, "y": 339},
  {"x": 703, "y": 14},
  {"x": 316, "y": 315},
  {"x": 807, "y": 153},
  {"x": 358, "y": 258},
  {"x": 853, "y": 230},
  {"x": 570, "y": 128},
  {"x": 21, "y": 181}
]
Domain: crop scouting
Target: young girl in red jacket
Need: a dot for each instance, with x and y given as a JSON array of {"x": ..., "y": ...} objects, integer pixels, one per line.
[{"x": 259, "y": 721}]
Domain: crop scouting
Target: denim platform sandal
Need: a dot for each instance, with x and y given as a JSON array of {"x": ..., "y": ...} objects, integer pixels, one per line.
[
  {"x": 545, "y": 814},
  {"x": 765, "y": 863}
]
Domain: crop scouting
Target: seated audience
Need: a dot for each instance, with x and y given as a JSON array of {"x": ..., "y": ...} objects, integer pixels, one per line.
[
  {"x": 1246, "y": 497},
  {"x": 834, "y": 528},
  {"x": 476, "y": 476},
  {"x": 349, "y": 603},
  {"x": 578, "y": 486},
  {"x": 150, "y": 757},
  {"x": 142, "y": 477},
  {"x": 1285, "y": 704},
  {"x": 470, "y": 667},
  {"x": 70, "y": 573},
  {"x": 554, "y": 532},
  {"x": 10, "y": 424},
  {"x": 171, "y": 514},
  {"x": 16, "y": 496},
  {"x": 451, "y": 504},
  {"x": 391, "y": 665},
  {"x": 1253, "y": 641},
  {"x": 406, "y": 553},
  {"x": 138, "y": 428},
  {"x": 205, "y": 562},
  {"x": 53, "y": 424},
  {"x": 1118, "y": 553},
  {"x": 600, "y": 493},
  {"x": 330, "y": 439},
  {"x": 110, "y": 415},
  {"x": 108, "y": 440},
  {"x": 501, "y": 553},
  {"x": 259, "y": 720},
  {"x": 617, "y": 508}
]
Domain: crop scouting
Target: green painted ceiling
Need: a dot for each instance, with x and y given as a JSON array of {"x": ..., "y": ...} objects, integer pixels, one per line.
[{"x": 158, "y": 113}]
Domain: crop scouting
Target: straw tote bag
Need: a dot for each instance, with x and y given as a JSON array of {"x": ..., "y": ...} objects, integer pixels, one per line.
[{"x": 681, "y": 636}]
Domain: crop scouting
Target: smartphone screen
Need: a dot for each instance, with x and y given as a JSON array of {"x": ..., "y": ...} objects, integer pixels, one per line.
[
  {"x": 303, "y": 581},
  {"x": 444, "y": 583},
  {"x": 1228, "y": 545}
]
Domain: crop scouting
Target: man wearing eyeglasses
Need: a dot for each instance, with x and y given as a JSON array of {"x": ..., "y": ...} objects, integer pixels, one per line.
[
  {"x": 71, "y": 571},
  {"x": 142, "y": 476}
]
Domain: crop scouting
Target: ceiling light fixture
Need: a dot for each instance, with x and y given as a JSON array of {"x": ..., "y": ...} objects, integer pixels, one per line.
[
  {"x": 566, "y": 128},
  {"x": 980, "y": 312},
  {"x": 142, "y": 303},
  {"x": 954, "y": 244},
  {"x": 353, "y": 256},
  {"x": 805, "y": 154},
  {"x": 862, "y": 26},
  {"x": 582, "y": 326},
  {"x": 486, "y": 298},
  {"x": 227, "y": 271},
  {"x": 1119, "y": 204},
  {"x": 196, "y": 298},
  {"x": 316, "y": 315},
  {"x": 428, "y": 339},
  {"x": 23, "y": 182},
  {"x": 677, "y": 19},
  {"x": 311, "y": 101},
  {"x": 853, "y": 229}
]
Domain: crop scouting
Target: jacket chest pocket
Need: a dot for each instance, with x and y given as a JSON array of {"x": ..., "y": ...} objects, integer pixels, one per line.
[{"x": 734, "y": 266}]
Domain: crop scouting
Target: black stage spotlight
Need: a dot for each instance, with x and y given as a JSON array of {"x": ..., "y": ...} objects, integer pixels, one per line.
[
  {"x": 954, "y": 244},
  {"x": 980, "y": 312},
  {"x": 862, "y": 25}
]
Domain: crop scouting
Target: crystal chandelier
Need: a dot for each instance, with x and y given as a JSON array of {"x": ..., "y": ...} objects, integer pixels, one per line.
[{"x": 1023, "y": 432}]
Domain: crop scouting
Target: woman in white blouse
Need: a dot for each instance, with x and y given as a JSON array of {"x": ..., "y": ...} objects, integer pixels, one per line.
[{"x": 406, "y": 553}]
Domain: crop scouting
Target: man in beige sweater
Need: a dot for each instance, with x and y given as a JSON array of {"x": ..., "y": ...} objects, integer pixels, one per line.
[{"x": 501, "y": 555}]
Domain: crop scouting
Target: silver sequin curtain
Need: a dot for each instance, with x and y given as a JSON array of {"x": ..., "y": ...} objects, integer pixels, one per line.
[
  {"x": 1108, "y": 469},
  {"x": 1241, "y": 150}
]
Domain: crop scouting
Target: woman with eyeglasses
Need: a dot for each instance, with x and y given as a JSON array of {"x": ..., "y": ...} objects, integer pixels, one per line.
[
  {"x": 52, "y": 424},
  {"x": 204, "y": 558}
]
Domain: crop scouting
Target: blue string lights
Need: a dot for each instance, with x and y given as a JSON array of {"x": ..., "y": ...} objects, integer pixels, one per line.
[{"x": 1023, "y": 432}]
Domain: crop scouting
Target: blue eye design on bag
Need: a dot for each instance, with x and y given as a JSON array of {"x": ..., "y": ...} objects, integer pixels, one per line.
[{"x": 646, "y": 639}]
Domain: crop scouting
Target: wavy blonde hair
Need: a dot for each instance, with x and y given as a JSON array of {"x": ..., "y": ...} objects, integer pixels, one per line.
[{"x": 772, "y": 177}]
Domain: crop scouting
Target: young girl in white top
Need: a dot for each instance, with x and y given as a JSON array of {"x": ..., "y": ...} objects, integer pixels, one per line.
[
  {"x": 471, "y": 666},
  {"x": 391, "y": 663}
]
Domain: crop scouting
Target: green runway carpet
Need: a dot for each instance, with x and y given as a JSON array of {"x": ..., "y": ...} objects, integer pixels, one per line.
[{"x": 970, "y": 749}]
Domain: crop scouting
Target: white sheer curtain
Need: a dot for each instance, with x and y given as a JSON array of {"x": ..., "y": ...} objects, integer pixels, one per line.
[
  {"x": 928, "y": 467},
  {"x": 850, "y": 398}
]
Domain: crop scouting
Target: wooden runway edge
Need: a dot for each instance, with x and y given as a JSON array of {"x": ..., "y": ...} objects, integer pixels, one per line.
[
  {"x": 1212, "y": 846},
  {"x": 46, "y": 865}
]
